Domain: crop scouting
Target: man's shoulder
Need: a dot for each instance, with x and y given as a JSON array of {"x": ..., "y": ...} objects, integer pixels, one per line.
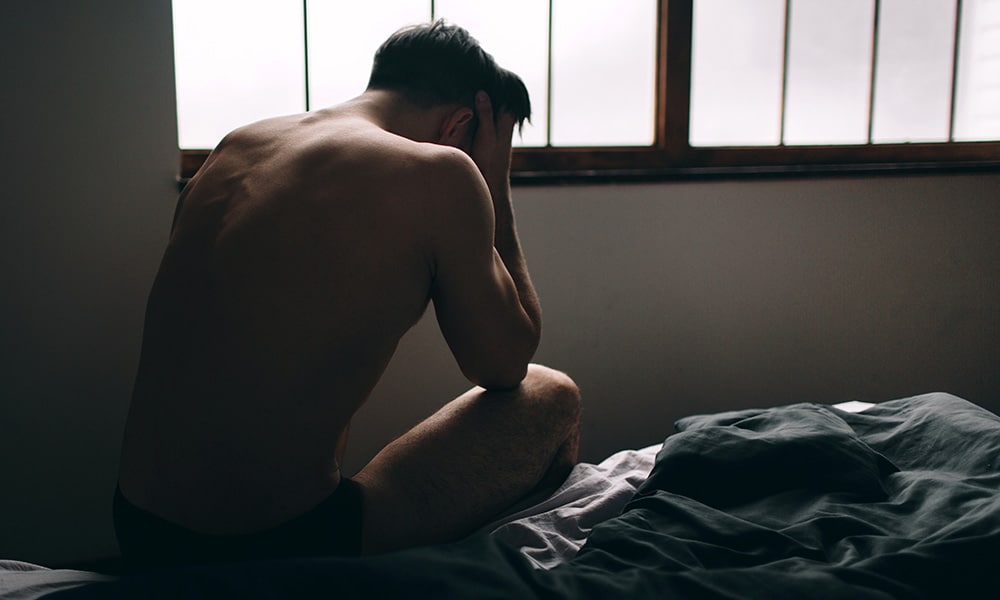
[
  {"x": 437, "y": 170},
  {"x": 257, "y": 131},
  {"x": 444, "y": 160},
  {"x": 360, "y": 144},
  {"x": 453, "y": 165}
]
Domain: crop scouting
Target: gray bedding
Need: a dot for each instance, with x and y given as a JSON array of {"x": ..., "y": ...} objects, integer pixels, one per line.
[{"x": 800, "y": 501}]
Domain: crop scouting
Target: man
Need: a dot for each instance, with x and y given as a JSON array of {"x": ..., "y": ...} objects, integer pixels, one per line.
[{"x": 301, "y": 252}]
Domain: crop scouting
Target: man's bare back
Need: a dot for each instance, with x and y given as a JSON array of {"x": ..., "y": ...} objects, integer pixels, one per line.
[
  {"x": 302, "y": 251},
  {"x": 300, "y": 256}
]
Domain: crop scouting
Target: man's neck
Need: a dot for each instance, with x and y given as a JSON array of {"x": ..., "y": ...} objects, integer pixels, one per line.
[{"x": 392, "y": 112}]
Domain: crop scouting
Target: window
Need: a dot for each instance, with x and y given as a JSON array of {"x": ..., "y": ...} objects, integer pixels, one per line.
[
  {"x": 812, "y": 72},
  {"x": 238, "y": 61},
  {"x": 642, "y": 88}
]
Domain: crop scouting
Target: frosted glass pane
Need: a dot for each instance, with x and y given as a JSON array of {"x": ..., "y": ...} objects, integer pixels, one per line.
[
  {"x": 977, "y": 115},
  {"x": 343, "y": 38},
  {"x": 913, "y": 71},
  {"x": 603, "y": 72},
  {"x": 236, "y": 61},
  {"x": 517, "y": 37},
  {"x": 736, "y": 72},
  {"x": 829, "y": 71}
]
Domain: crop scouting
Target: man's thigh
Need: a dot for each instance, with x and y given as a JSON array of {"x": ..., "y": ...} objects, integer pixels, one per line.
[{"x": 469, "y": 461}]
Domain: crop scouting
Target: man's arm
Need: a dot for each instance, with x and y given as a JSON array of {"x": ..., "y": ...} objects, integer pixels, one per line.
[
  {"x": 486, "y": 306},
  {"x": 491, "y": 151}
]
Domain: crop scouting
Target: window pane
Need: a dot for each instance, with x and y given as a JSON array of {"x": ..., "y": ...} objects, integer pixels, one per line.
[
  {"x": 236, "y": 61},
  {"x": 977, "y": 115},
  {"x": 736, "y": 70},
  {"x": 517, "y": 37},
  {"x": 603, "y": 72},
  {"x": 343, "y": 38},
  {"x": 913, "y": 71},
  {"x": 829, "y": 71}
]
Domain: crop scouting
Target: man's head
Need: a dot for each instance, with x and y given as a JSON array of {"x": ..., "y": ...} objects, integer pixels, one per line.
[{"x": 440, "y": 64}]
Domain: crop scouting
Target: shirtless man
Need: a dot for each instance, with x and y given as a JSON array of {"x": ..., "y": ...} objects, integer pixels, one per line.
[{"x": 301, "y": 252}]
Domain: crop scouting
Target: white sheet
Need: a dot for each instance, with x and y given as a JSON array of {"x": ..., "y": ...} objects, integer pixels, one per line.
[
  {"x": 26, "y": 581},
  {"x": 553, "y": 530}
]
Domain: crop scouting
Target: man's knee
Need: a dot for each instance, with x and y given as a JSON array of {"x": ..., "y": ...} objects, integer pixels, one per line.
[{"x": 556, "y": 390}]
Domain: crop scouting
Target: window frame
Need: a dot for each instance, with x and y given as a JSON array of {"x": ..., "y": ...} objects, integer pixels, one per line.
[{"x": 672, "y": 157}]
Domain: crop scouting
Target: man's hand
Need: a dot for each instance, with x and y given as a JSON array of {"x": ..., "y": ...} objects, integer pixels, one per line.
[{"x": 491, "y": 146}]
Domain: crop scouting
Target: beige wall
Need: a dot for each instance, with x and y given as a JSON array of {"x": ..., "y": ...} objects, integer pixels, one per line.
[
  {"x": 667, "y": 299},
  {"x": 660, "y": 299}
]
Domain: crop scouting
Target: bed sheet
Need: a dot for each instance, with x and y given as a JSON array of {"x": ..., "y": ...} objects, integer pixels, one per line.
[
  {"x": 547, "y": 531},
  {"x": 553, "y": 530},
  {"x": 26, "y": 581},
  {"x": 798, "y": 501}
]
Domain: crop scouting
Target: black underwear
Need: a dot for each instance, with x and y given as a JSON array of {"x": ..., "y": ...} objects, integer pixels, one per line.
[{"x": 333, "y": 528}]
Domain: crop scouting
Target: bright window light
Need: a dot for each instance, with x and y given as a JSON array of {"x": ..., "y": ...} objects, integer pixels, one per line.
[
  {"x": 829, "y": 71},
  {"x": 815, "y": 72},
  {"x": 343, "y": 38},
  {"x": 977, "y": 110},
  {"x": 736, "y": 72},
  {"x": 238, "y": 61},
  {"x": 603, "y": 72},
  {"x": 914, "y": 71}
]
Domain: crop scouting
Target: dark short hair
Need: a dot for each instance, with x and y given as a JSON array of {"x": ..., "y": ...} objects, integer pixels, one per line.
[{"x": 440, "y": 63}]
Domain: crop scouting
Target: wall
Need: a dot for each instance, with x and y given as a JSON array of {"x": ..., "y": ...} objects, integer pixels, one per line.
[
  {"x": 660, "y": 299},
  {"x": 670, "y": 299},
  {"x": 90, "y": 159}
]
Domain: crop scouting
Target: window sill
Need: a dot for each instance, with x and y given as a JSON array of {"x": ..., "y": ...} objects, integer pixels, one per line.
[{"x": 554, "y": 166}]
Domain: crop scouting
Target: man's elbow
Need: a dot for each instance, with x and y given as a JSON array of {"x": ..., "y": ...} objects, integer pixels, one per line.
[
  {"x": 499, "y": 379},
  {"x": 505, "y": 365},
  {"x": 501, "y": 372}
]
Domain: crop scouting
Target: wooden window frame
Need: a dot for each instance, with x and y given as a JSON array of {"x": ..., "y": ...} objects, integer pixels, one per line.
[{"x": 672, "y": 157}]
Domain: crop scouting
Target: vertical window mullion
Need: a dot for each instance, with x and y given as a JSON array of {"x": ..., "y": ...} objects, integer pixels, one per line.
[
  {"x": 305, "y": 47},
  {"x": 874, "y": 69},
  {"x": 548, "y": 83},
  {"x": 784, "y": 72},
  {"x": 954, "y": 69}
]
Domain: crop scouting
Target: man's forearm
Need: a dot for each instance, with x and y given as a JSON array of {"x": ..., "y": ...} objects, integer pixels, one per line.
[
  {"x": 491, "y": 150},
  {"x": 509, "y": 248}
]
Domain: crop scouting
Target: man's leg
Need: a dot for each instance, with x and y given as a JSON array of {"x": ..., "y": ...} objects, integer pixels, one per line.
[{"x": 466, "y": 463}]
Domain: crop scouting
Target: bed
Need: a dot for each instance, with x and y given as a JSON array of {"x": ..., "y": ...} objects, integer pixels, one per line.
[{"x": 899, "y": 500}]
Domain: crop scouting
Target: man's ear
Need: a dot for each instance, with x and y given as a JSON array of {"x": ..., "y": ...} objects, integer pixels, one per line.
[{"x": 456, "y": 126}]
